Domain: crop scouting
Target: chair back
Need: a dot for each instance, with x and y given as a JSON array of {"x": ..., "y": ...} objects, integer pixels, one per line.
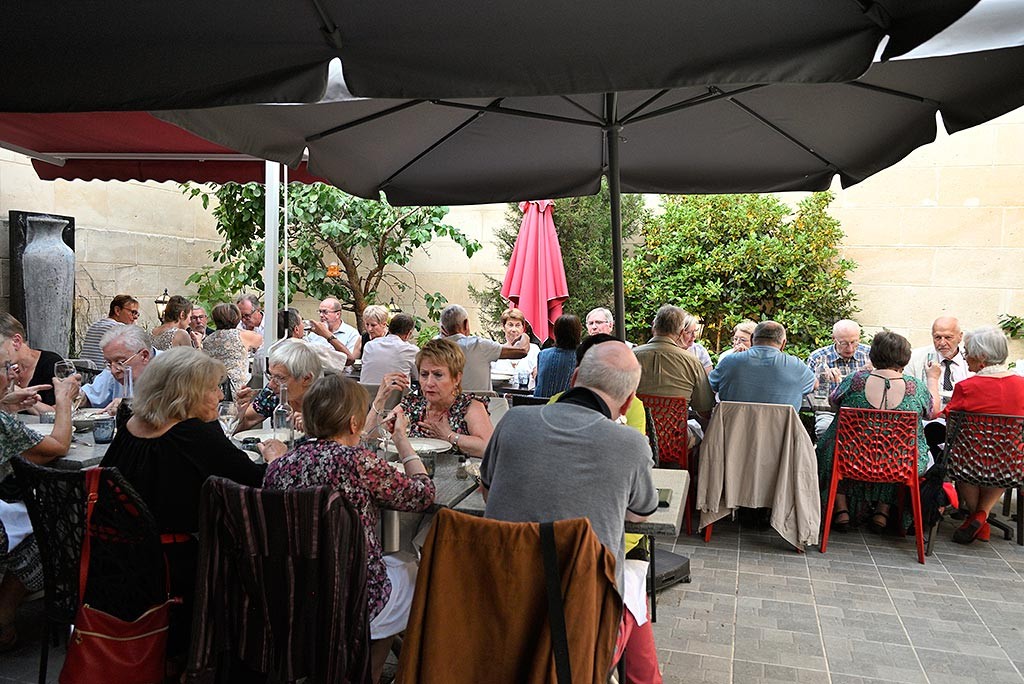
[
  {"x": 876, "y": 445},
  {"x": 127, "y": 572},
  {"x": 669, "y": 416},
  {"x": 985, "y": 450},
  {"x": 520, "y": 400}
]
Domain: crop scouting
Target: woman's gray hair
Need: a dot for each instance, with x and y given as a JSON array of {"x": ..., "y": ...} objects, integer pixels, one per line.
[
  {"x": 987, "y": 344},
  {"x": 747, "y": 326},
  {"x": 299, "y": 360},
  {"x": 133, "y": 337},
  {"x": 174, "y": 384},
  {"x": 375, "y": 312}
]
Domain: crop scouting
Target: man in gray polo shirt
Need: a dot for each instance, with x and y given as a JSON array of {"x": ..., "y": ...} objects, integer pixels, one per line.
[{"x": 480, "y": 352}]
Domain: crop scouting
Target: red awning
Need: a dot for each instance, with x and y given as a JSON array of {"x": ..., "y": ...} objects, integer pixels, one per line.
[{"x": 126, "y": 146}]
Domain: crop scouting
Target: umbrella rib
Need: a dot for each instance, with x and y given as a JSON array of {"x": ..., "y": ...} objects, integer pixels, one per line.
[
  {"x": 712, "y": 95},
  {"x": 784, "y": 134},
  {"x": 895, "y": 93},
  {"x": 329, "y": 28},
  {"x": 643, "y": 105},
  {"x": 365, "y": 119},
  {"x": 577, "y": 105},
  {"x": 498, "y": 109}
]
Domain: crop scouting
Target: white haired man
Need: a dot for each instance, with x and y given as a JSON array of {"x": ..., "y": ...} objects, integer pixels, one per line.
[
  {"x": 252, "y": 313},
  {"x": 480, "y": 352},
  {"x": 127, "y": 346},
  {"x": 601, "y": 320},
  {"x": 845, "y": 356},
  {"x": 947, "y": 348}
]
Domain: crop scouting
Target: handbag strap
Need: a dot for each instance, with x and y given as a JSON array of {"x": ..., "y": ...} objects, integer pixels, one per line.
[
  {"x": 92, "y": 486},
  {"x": 556, "y": 611}
]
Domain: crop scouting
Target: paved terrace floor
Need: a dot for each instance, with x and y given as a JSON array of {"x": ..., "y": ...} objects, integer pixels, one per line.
[{"x": 757, "y": 612}]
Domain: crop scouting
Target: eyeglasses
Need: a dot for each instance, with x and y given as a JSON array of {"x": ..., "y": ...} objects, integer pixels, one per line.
[
  {"x": 279, "y": 379},
  {"x": 251, "y": 313},
  {"x": 739, "y": 338},
  {"x": 327, "y": 311},
  {"x": 852, "y": 343},
  {"x": 11, "y": 367},
  {"x": 119, "y": 365},
  {"x": 134, "y": 312},
  {"x": 197, "y": 318}
]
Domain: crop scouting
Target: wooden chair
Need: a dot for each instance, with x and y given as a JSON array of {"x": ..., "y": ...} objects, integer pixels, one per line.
[
  {"x": 668, "y": 415},
  {"x": 875, "y": 445},
  {"x": 987, "y": 450}
]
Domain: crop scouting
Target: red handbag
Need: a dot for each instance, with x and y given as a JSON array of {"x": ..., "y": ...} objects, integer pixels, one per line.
[{"x": 104, "y": 648}]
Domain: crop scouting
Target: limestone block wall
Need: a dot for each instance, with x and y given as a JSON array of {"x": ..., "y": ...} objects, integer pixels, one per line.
[{"x": 942, "y": 232}]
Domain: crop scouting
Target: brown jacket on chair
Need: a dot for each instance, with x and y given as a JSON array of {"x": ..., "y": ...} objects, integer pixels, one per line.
[{"x": 480, "y": 609}]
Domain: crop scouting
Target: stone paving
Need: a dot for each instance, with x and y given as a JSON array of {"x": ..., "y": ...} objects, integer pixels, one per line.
[{"x": 758, "y": 612}]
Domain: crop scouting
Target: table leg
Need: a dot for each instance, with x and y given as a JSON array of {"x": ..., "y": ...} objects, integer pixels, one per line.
[{"x": 650, "y": 579}]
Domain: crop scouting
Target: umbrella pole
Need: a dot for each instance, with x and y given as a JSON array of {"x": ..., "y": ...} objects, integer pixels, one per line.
[
  {"x": 271, "y": 225},
  {"x": 611, "y": 131}
]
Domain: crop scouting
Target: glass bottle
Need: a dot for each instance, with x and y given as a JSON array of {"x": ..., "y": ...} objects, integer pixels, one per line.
[
  {"x": 281, "y": 418},
  {"x": 124, "y": 409},
  {"x": 460, "y": 472}
]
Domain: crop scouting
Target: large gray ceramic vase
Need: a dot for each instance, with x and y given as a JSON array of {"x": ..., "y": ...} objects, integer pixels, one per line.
[{"x": 48, "y": 276}]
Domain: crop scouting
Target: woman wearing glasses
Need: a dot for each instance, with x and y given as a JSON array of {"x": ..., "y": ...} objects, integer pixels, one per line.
[
  {"x": 292, "y": 365},
  {"x": 742, "y": 336}
]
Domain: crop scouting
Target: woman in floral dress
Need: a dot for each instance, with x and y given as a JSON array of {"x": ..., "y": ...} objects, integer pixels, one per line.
[
  {"x": 334, "y": 409},
  {"x": 883, "y": 387}
]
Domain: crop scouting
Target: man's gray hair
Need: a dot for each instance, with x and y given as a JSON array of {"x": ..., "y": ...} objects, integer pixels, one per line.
[
  {"x": 605, "y": 313},
  {"x": 597, "y": 371},
  {"x": 845, "y": 324},
  {"x": 251, "y": 298},
  {"x": 988, "y": 344},
  {"x": 669, "y": 320},
  {"x": 770, "y": 331},
  {"x": 133, "y": 337},
  {"x": 452, "y": 319},
  {"x": 298, "y": 358}
]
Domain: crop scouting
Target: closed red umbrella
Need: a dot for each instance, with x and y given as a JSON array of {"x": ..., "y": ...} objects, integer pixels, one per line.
[{"x": 535, "y": 281}]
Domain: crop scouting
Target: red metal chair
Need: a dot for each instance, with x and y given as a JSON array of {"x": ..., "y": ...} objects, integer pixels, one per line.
[
  {"x": 874, "y": 445},
  {"x": 987, "y": 450},
  {"x": 669, "y": 415}
]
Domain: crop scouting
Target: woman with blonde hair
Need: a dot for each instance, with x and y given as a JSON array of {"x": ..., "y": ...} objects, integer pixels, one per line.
[
  {"x": 168, "y": 449},
  {"x": 742, "y": 337},
  {"x": 440, "y": 410},
  {"x": 335, "y": 412},
  {"x": 375, "y": 322}
]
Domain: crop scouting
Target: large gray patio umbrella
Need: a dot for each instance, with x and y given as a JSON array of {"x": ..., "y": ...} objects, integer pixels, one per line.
[{"x": 60, "y": 56}]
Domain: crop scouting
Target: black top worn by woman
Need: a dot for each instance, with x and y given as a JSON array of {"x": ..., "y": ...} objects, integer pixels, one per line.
[{"x": 43, "y": 375}]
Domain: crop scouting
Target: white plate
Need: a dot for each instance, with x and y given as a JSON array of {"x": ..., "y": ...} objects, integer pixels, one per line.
[
  {"x": 41, "y": 428},
  {"x": 88, "y": 412},
  {"x": 501, "y": 377},
  {"x": 423, "y": 445},
  {"x": 261, "y": 434}
]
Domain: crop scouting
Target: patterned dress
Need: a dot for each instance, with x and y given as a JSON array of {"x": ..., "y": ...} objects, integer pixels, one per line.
[
  {"x": 851, "y": 393},
  {"x": 162, "y": 341},
  {"x": 226, "y": 346},
  {"x": 23, "y": 560},
  {"x": 265, "y": 401},
  {"x": 415, "y": 407},
  {"x": 367, "y": 482}
]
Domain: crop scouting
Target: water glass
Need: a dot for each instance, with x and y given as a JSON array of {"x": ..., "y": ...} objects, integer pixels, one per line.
[
  {"x": 64, "y": 369},
  {"x": 227, "y": 415},
  {"x": 103, "y": 430}
]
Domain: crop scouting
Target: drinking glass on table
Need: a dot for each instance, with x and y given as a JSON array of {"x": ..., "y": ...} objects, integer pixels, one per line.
[
  {"x": 227, "y": 415},
  {"x": 64, "y": 369}
]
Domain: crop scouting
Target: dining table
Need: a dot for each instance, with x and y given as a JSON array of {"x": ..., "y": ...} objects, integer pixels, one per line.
[{"x": 84, "y": 451}]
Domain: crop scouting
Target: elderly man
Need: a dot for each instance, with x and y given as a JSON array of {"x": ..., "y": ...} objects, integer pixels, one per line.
[
  {"x": 290, "y": 327},
  {"x": 846, "y": 355},
  {"x": 330, "y": 330},
  {"x": 523, "y": 479},
  {"x": 392, "y": 353},
  {"x": 947, "y": 338},
  {"x": 29, "y": 367},
  {"x": 197, "y": 322},
  {"x": 667, "y": 369},
  {"x": 124, "y": 347},
  {"x": 476, "y": 377},
  {"x": 764, "y": 373},
  {"x": 124, "y": 310},
  {"x": 601, "y": 321},
  {"x": 252, "y": 313}
]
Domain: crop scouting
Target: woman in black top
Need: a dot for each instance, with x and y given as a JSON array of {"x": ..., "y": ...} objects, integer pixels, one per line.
[{"x": 172, "y": 443}]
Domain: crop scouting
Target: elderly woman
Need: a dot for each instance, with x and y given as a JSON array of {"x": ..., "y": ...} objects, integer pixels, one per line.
[
  {"x": 742, "y": 336},
  {"x": 230, "y": 345},
  {"x": 335, "y": 412},
  {"x": 691, "y": 327},
  {"x": 21, "y": 572},
  {"x": 166, "y": 451},
  {"x": 294, "y": 366},
  {"x": 556, "y": 364},
  {"x": 885, "y": 387},
  {"x": 992, "y": 389},
  {"x": 514, "y": 324},
  {"x": 173, "y": 330},
  {"x": 440, "y": 409},
  {"x": 375, "y": 322}
]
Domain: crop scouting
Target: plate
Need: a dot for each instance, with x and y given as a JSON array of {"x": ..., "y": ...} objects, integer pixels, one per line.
[
  {"x": 88, "y": 412},
  {"x": 501, "y": 377},
  {"x": 42, "y": 428},
  {"x": 423, "y": 445},
  {"x": 260, "y": 434}
]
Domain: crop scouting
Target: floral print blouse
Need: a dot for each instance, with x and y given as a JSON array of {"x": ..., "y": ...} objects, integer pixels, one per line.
[
  {"x": 265, "y": 402},
  {"x": 15, "y": 438},
  {"x": 367, "y": 482},
  {"x": 415, "y": 407}
]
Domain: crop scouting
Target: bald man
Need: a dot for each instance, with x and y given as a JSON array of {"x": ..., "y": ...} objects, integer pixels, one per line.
[
  {"x": 334, "y": 332},
  {"x": 947, "y": 338},
  {"x": 845, "y": 356}
]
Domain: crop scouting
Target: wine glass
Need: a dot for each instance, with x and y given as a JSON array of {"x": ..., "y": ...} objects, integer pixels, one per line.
[
  {"x": 227, "y": 415},
  {"x": 63, "y": 370}
]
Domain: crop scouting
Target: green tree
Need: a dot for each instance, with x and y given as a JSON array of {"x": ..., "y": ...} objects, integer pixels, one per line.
[
  {"x": 583, "y": 225},
  {"x": 338, "y": 245},
  {"x": 730, "y": 257}
]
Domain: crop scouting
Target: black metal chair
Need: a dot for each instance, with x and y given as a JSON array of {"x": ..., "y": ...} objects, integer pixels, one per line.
[
  {"x": 127, "y": 572},
  {"x": 519, "y": 400}
]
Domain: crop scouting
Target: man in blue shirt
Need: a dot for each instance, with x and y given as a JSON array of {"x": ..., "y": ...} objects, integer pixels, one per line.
[
  {"x": 763, "y": 373},
  {"x": 845, "y": 356}
]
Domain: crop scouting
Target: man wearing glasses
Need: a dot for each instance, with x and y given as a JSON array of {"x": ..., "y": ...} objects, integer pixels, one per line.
[
  {"x": 124, "y": 347},
  {"x": 197, "y": 322},
  {"x": 252, "y": 313},
  {"x": 845, "y": 356},
  {"x": 124, "y": 310},
  {"x": 335, "y": 332}
]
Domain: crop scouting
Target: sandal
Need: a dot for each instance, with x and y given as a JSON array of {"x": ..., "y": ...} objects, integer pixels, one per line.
[
  {"x": 8, "y": 638},
  {"x": 976, "y": 527},
  {"x": 875, "y": 526},
  {"x": 841, "y": 525}
]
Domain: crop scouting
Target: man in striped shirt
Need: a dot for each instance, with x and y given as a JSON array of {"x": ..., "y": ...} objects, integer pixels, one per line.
[{"x": 124, "y": 310}]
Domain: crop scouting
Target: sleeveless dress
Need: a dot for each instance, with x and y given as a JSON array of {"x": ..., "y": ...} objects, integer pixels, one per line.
[
  {"x": 851, "y": 393},
  {"x": 163, "y": 341},
  {"x": 226, "y": 346},
  {"x": 415, "y": 406}
]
